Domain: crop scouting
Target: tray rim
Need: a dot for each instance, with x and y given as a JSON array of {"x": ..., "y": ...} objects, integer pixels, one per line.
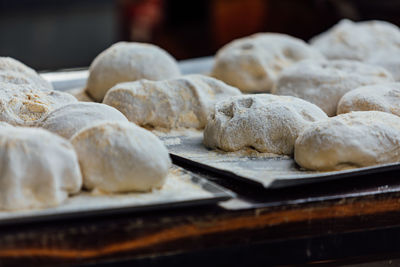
[
  {"x": 289, "y": 182},
  {"x": 218, "y": 192}
]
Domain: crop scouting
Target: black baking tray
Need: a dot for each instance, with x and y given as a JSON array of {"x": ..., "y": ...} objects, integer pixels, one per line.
[
  {"x": 216, "y": 194},
  {"x": 265, "y": 171}
]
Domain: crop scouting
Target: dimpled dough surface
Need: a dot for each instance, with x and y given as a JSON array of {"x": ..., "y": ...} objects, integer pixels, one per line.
[
  {"x": 121, "y": 157},
  {"x": 265, "y": 122},
  {"x": 382, "y": 97},
  {"x": 71, "y": 118},
  {"x": 253, "y": 63},
  {"x": 323, "y": 83},
  {"x": 356, "y": 139},
  {"x": 38, "y": 169},
  {"x": 175, "y": 103},
  {"x": 124, "y": 62}
]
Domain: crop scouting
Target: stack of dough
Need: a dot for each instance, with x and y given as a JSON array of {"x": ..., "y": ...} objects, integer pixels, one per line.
[
  {"x": 176, "y": 103},
  {"x": 323, "y": 83},
  {"x": 121, "y": 157},
  {"x": 124, "y": 62},
  {"x": 265, "y": 122},
  {"x": 69, "y": 119},
  {"x": 253, "y": 63},
  {"x": 375, "y": 42},
  {"x": 38, "y": 169},
  {"x": 383, "y": 97},
  {"x": 356, "y": 139}
]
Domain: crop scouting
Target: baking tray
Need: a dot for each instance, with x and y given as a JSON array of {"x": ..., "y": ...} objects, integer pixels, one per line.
[
  {"x": 262, "y": 169},
  {"x": 186, "y": 147},
  {"x": 182, "y": 188}
]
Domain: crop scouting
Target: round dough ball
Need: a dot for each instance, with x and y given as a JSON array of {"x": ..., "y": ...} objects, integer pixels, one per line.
[
  {"x": 13, "y": 71},
  {"x": 253, "y": 63},
  {"x": 323, "y": 83},
  {"x": 124, "y": 62},
  {"x": 356, "y": 139},
  {"x": 69, "y": 119},
  {"x": 267, "y": 123},
  {"x": 38, "y": 169},
  {"x": 80, "y": 94},
  {"x": 174, "y": 103},
  {"x": 374, "y": 42},
  {"x": 121, "y": 157},
  {"x": 382, "y": 97},
  {"x": 23, "y": 105}
]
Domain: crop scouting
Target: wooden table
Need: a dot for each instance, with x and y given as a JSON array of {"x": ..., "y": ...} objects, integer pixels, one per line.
[
  {"x": 350, "y": 221},
  {"x": 332, "y": 222}
]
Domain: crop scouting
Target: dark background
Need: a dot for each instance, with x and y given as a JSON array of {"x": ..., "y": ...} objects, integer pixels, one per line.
[{"x": 56, "y": 34}]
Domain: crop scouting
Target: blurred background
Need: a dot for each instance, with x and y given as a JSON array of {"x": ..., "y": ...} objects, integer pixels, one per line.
[{"x": 51, "y": 35}]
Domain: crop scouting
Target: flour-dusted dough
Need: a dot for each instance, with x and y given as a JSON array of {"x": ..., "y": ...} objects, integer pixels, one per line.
[
  {"x": 268, "y": 123},
  {"x": 253, "y": 63},
  {"x": 121, "y": 157},
  {"x": 13, "y": 71},
  {"x": 382, "y": 97},
  {"x": 375, "y": 42},
  {"x": 38, "y": 169},
  {"x": 124, "y": 62},
  {"x": 175, "y": 103},
  {"x": 323, "y": 83},
  {"x": 69, "y": 119},
  {"x": 80, "y": 94},
  {"x": 356, "y": 139},
  {"x": 25, "y": 105}
]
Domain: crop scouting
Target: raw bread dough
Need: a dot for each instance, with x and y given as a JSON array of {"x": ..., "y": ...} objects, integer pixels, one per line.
[
  {"x": 24, "y": 105},
  {"x": 356, "y": 139},
  {"x": 38, "y": 169},
  {"x": 374, "y": 42},
  {"x": 325, "y": 82},
  {"x": 69, "y": 119},
  {"x": 174, "y": 103},
  {"x": 80, "y": 94},
  {"x": 13, "y": 71},
  {"x": 253, "y": 63},
  {"x": 268, "y": 123},
  {"x": 124, "y": 62},
  {"x": 382, "y": 97},
  {"x": 121, "y": 157}
]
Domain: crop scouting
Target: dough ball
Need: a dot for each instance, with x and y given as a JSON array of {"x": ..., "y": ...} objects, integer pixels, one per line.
[
  {"x": 124, "y": 62},
  {"x": 38, "y": 169},
  {"x": 356, "y": 139},
  {"x": 13, "y": 71},
  {"x": 323, "y": 83},
  {"x": 374, "y": 42},
  {"x": 267, "y": 123},
  {"x": 121, "y": 157},
  {"x": 80, "y": 94},
  {"x": 383, "y": 97},
  {"x": 69, "y": 119},
  {"x": 174, "y": 103},
  {"x": 24, "y": 105},
  {"x": 253, "y": 63}
]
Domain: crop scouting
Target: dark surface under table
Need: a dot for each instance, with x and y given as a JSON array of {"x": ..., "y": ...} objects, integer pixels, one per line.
[{"x": 328, "y": 223}]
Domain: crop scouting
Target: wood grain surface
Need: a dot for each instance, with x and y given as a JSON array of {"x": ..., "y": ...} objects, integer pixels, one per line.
[{"x": 156, "y": 234}]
